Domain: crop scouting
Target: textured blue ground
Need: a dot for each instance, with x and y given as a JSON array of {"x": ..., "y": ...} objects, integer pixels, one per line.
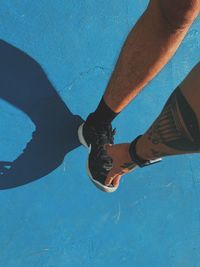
[{"x": 55, "y": 60}]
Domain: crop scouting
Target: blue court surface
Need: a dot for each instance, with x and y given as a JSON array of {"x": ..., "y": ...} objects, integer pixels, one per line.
[{"x": 55, "y": 60}]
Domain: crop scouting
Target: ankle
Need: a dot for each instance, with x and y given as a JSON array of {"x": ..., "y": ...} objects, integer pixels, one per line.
[
  {"x": 142, "y": 149},
  {"x": 103, "y": 115},
  {"x": 126, "y": 152},
  {"x": 120, "y": 151},
  {"x": 91, "y": 121},
  {"x": 138, "y": 155}
]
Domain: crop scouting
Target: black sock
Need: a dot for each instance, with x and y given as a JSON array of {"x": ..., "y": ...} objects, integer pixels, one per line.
[{"x": 103, "y": 115}]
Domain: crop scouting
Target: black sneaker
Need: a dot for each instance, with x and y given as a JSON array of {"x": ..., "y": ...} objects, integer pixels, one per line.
[{"x": 99, "y": 163}]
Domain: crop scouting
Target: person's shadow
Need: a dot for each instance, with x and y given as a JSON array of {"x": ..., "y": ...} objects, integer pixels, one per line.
[{"x": 24, "y": 84}]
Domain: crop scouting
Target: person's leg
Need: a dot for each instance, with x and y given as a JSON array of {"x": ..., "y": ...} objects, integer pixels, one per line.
[
  {"x": 149, "y": 46},
  {"x": 175, "y": 131}
]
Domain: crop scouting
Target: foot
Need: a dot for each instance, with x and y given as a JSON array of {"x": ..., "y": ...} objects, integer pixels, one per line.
[
  {"x": 122, "y": 163},
  {"x": 125, "y": 159},
  {"x": 99, "y": 162}
]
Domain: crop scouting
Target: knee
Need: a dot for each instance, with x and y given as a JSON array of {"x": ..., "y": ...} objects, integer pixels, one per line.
[{"x": 179, "y": 13}]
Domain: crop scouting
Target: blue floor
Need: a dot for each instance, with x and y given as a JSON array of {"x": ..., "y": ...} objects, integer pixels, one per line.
[{"x": 55, "y": 60}]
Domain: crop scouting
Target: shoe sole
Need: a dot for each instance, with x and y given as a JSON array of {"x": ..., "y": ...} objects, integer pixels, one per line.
[{"x": 96, "y": 183}]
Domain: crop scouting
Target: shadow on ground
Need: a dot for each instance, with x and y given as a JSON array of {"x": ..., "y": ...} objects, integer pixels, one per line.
[{"x": 24, "y": 84}]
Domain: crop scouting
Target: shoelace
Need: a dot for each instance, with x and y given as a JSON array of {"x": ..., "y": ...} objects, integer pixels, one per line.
[{"x": 104, "y": 136}]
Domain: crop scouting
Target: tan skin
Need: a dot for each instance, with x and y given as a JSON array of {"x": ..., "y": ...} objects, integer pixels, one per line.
[
  {"x": 148, "y": 149},
  {"x": 149, "y": 46}
]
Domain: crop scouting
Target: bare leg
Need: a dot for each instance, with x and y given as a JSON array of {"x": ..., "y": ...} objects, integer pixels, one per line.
[
  {"x": 176, "y": 130},
  {"x": 149, "y": 46}
]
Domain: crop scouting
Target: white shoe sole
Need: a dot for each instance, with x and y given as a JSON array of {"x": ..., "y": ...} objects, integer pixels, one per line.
[{"x": 96, "y": 183}]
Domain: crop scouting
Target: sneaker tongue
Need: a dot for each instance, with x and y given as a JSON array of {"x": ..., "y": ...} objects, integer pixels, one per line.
[{"x": 102, "y": 127}]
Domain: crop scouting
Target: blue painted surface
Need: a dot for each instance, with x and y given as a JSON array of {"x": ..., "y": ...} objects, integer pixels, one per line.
[{"x": 57, "y": 58}]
